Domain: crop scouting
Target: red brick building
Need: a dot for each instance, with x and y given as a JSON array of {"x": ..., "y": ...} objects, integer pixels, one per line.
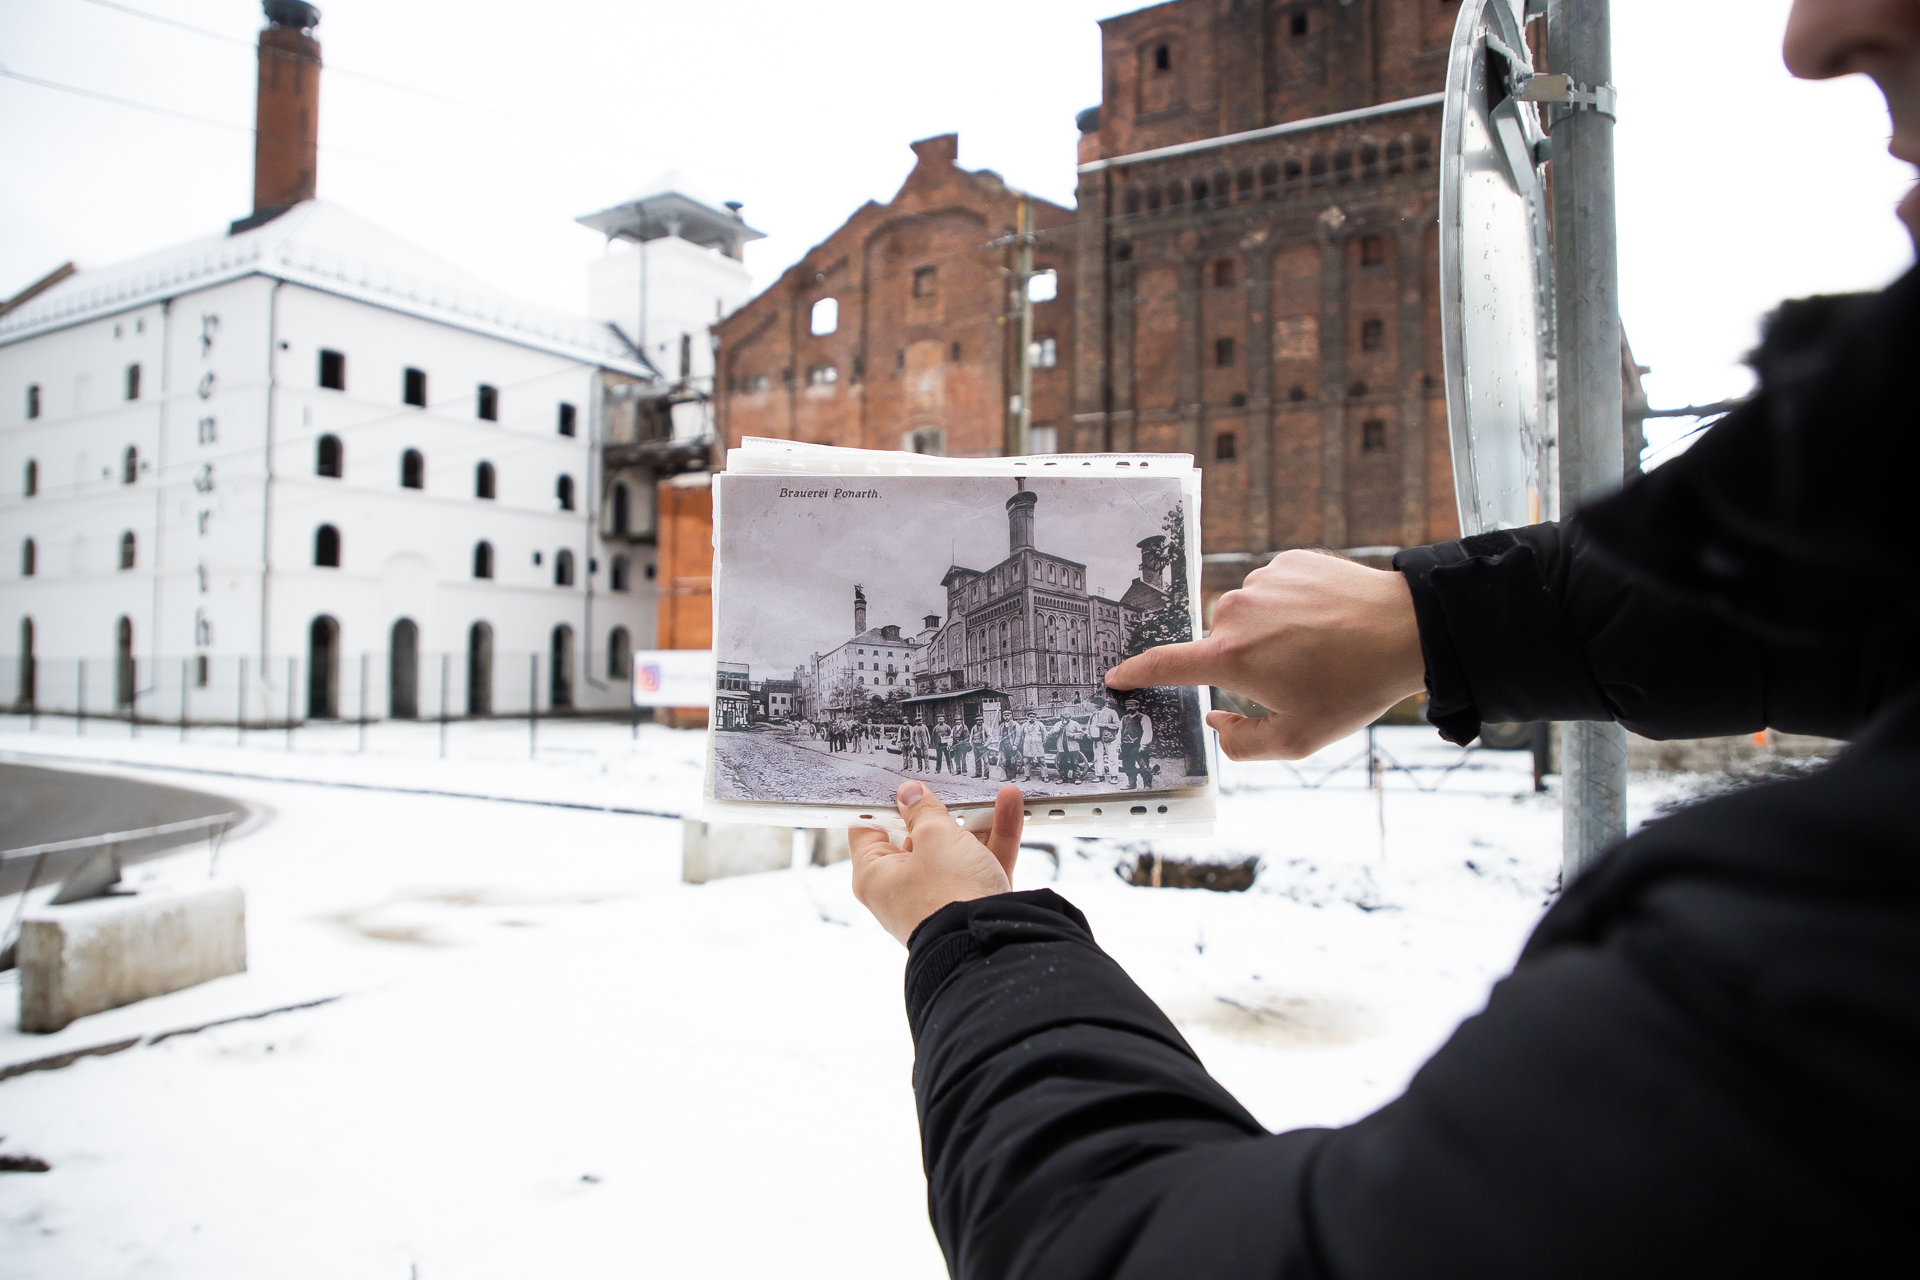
[
  {"x": 1258, "y": 277},
  {"x": 898, "y": 330}
]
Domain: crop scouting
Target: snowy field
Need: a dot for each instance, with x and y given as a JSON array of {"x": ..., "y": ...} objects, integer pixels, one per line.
[{"x": 541, "y": 1054}]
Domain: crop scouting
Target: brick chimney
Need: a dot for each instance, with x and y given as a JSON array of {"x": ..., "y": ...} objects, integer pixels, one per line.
[
  {"x": 859, "y": 611},
  {"x": 1020, "y": 519},
  {"x": 943, "y": 150},
  {"x": 286, "y": 141}
]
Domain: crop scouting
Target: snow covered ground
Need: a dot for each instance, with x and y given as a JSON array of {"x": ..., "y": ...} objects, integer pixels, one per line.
[{"x": 548, "y": 1056}]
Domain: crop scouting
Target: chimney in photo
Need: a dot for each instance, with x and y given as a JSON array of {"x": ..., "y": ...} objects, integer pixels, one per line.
[{"x": 286, "y": 140}]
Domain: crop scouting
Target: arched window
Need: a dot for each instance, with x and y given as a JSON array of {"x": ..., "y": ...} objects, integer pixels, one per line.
[
  {"x": 330, "y": 457},
  {"x": 483, "y": 559},
  {"x": 29, "y": 685},
  {"x": 563, "y": 492},
  {"x": 323, "y": 669},
  {"x": 126, "y": 549},
  {"x": 618, "y": 574},
  {"x": 619, "y": 655},
  {"x": 326, "y": 547},
  {"x": 483, "y": 480},
  {"x": 29, "y": 558},
  {"x": 622, "y": 512},
  {"x": 31, "y": 483},
  {"x": 403, "y": 671},
  {"x": 825, "y": 317},
  {"x": 130, "y": 465},
  {"x": 413, "y": 470},
  {"x": 560, "y": 668},
  {"x": 480, "y": 670},
  {"x": 563, "y": 568}
]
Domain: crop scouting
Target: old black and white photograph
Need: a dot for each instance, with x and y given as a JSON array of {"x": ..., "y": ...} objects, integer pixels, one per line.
[{"x": 952, "y": 629}]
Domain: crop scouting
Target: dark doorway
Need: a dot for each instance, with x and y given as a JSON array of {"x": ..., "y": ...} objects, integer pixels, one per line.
[
  {"x": 323, "y": 669},
  {"x": 480, "y": 670},
  {"x": 622, "y": 514},
  {"x": 560, "y": 665},
  {"x": 28, "y": 683},
  {"x": 123, "y": 672},
  {"x": 403, "y": 671}
]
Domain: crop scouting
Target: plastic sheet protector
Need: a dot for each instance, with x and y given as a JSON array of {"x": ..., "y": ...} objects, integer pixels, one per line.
[{"x": 884, "y": 616}]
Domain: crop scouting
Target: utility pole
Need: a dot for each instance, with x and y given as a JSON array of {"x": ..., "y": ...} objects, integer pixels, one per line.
[
  {"x": 1020, "y": 424},
  {"x": 1587, "y": 302}
]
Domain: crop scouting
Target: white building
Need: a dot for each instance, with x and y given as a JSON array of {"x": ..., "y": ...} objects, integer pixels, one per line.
[{"x": 238, "y": 472}]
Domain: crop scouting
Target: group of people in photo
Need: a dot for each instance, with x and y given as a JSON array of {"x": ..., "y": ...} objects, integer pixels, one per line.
[{"x": 1100, "y": 739}]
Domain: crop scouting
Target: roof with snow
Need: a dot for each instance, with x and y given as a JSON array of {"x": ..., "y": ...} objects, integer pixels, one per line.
[
  {"x": 672, "y": 206},
  {"x": 322, "y": 246}
]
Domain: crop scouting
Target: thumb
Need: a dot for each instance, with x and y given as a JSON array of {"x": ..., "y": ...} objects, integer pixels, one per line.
[
  {"x": 922, "y": 810},
  {"x": 1191, "y": 663}
]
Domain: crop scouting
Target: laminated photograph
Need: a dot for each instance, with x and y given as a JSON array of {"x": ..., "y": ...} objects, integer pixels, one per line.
[{"x": 879, "y": 617}]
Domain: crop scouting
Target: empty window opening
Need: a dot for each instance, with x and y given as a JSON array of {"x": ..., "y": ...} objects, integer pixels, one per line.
[
  {"x": 563, "y": 492},
  {"x": 1223, "y": 274},
  {"x": 1176, "y": 195},
  {"x": 413, "y": 470},
  {"x": 619, "y": 654},
  {"x": 1223, "y": 353},
  {"x": 924, "y": 281},
  {"x": 926, "y": 440},
  {"x": 29, "y": 558},
  {"x": 1243, "y": 184},
  {"x": 414, "y": 388},
  {"x": 1373, "y": 335},
  {"x": 1396, "y": 158},
  {"x": 480, "y": 670},
  {"x": 483, "y": 480},
  {"x": 1296, "y": 393},
  {"x": 619, "y": 574},
  {"x": 133, "y": 382},
  {"x": 30, "y": 483},
  {"x": 329, "y": 457},
  {"x": 900, "y": 360},
  {"x": 483, "y": 559},
  {"x": 326, "y": 547},
  {"x": 403, "y": 670},
  {"x": 1238, "y": 399},
  {"x": 1293, "y": 173},
  {"x": 1162, "y": 57},
  {"x": 127, "y": 550},
  {"x": 1224, "y": 447},
  {"x": 564, "y": 422},
  {"x": 1199, "y": 191},
  {"x": 1373, "y": 251},
  {"x": 1373, "y": 436},
  {"x": 333, "y": 371},
  {"x": 33, "y": 400},
  {"x": 563, "y": 568},
  {"x": 1123, "y": 253},
  {"x": 1317, "y": 170},
  {"x": 953, "y": 353},
  {"x": 1153, "y": 200},
  {"x": 1269, "y": 181},
  {"x": 1343, "y": 166},
  {"x": 754, "y": 383},
  {"x": 622, "y": 509},
  {"x": 1357, "y": 390},
  {"x": 1043, "y": 286},
  {"x": 1369, "y": 161},
  {"x": 1043, "y": 437},
  {"x": 1045, "y": 353},
  {"x": 130, "y": 465},
  {"x": 1297, "y": 25},
  {"x": 825, "y": 319},
  {"x": 487, "y": 406},
  {"x": 823, "y": 375}
]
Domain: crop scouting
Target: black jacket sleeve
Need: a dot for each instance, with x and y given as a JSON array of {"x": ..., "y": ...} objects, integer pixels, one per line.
[
  {"x": 1537, "y": 624},
  {"x": 1707, "y": 1062}
]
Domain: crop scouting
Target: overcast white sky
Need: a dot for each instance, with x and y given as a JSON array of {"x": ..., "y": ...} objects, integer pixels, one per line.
[{"x": 1738, "y": 185}]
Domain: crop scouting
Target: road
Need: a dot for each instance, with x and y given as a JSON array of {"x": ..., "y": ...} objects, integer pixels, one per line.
[{"x": 38, "y": 806}]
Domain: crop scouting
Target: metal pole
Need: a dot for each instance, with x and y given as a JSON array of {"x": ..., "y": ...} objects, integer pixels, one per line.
[
  {"x": 533, "y": 705},
  {"x": 80, "y": 704},
  {"x": 183, "y": 699},
  {"x": 240, "y": 707},
  {"x": 1020, "y": 441},
  {"x": 446, "y": 663},
  {"x": 290, "y": 679},
  {"x": 1587, "y": 301},
  {"x": 363, "y": 703}
]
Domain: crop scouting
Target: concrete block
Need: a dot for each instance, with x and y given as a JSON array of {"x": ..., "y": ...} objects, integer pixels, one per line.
[
  {"x": 830, "y": 846},
  {"x": 106, "y": 952},
  {"x": 713, "y": 851}
]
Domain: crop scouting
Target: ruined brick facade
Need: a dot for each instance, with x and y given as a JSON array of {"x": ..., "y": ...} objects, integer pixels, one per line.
[
  {"x": 922, "y": 355},
  {"x": 1268, "y": 299}
]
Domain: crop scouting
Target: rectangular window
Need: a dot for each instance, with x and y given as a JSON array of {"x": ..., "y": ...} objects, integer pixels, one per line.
[
  {"x": 1225, "y": 447},
  {"x": 566, "y": 419},
  {"x": 923, "y": 281},
  {"x": 133, "y": 382},
  {"x": 1223, "y": 353},
  {"x": 1373, "y": 335},
  {"x": 1046, "y": 353},
  {"x": 1373, "y": 436},
  {"x": 1223, "y": 274},
  {"x": 1043, "y": 437},
  {"x": 489, "y": 403},
  {"x": 754, "y": 384},
  {"x": 1373, "y": 251},
  {"x": 333, "y": 371},
  {"x": 955, "y": 353},
  {"x": 823, "y": 375},
  {"x": 1297, "y": 25},
  {"x": 414, "y": 392},
  {"x": 33, "y": 399}
]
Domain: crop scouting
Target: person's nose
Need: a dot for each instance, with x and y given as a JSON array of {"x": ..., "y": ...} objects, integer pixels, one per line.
[{"x": 1828, "y": 38}]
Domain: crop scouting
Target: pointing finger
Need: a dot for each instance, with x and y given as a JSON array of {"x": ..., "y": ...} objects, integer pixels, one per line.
[{"x": 1194, "y": 663}]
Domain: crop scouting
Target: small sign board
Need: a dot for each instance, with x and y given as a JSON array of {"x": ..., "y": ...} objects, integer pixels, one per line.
[{"x": 673, "y": 678}]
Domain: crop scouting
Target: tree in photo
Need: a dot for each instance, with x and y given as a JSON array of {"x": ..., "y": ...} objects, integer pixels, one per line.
[{"x": 1175, "y": 710}]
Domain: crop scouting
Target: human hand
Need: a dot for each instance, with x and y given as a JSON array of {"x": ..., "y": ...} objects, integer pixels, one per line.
[
  {"x": 939, "y": 863},
  {"x": 1326, "y": 645}
]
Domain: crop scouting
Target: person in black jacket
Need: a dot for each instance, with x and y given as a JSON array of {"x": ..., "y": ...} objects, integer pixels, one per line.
[{"x": 1707, "y": 1058}]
